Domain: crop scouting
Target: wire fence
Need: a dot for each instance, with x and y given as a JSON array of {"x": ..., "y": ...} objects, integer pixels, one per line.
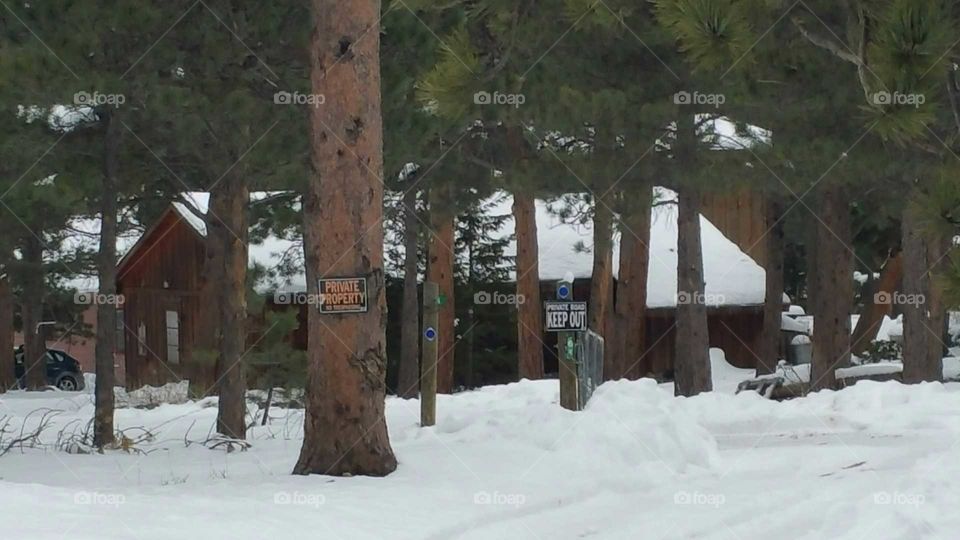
[{"x": 590, "y": 368}]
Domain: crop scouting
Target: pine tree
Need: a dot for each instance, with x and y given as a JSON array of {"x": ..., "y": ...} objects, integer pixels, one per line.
[
  {"x": 345, "y": 431},
  {"x": 100, "y": 52},
  {"x": 416, "y": 145},
  {"x": 408, "y": 377},
  {"x": 484, "y": 56},
  {"x": 273, "y": 360},
  {"x": 131, "y": 99},
  {"x": 897, "y": 50},
  {"x": 814, "y": 138},
  {"x": 26, "y": 123},
  {"x": 10, "y": 129},
  {"x": 41, "y": 192},
  {"x": 481, "y": 265},
  {"x": 237, "y": 117}
]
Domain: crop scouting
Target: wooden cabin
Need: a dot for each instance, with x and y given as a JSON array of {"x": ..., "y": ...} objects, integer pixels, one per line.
[{"x": 160, "y": 278}]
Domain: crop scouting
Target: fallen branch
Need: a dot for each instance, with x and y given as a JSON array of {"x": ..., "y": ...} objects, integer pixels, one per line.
[{"x": 32, "y": 438}]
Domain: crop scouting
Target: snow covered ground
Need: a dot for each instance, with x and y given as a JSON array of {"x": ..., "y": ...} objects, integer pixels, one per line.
[{"x": 876, "y": 461}]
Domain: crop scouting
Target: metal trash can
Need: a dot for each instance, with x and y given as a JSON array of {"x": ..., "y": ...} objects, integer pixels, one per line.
[{"x": 800, "y": 350}]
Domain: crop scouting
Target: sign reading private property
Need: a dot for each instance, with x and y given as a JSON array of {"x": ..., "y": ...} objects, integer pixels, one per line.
[
  {"x": 343, "y": 295},
  {"x": 566, "y": 316}
]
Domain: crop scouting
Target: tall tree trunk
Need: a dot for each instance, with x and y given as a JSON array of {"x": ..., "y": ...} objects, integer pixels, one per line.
[
  {"x": 601, "y": 279},
  {"x": 8, "y": 378},
  {"x": 345, "y": 432},
  {"x": 31, "y": 311},
  {"x": 939, "y": 246},
  {"x": 629, "y": 340},
  {"x": 834, "y": 289},
  {"x": 202, "y": 375},
  {"x": 107, "y": 276},
  {"x": 440, "y": 261},
  {"x": 923, "y": 314},
  {"x": 529, "y": 315},
  {"x": 408, "y": 380},
  {"x": 468, "y": 321},
  {"x": 228, "y": 227},
  {"x": 875, "y": 303},
  {"x": 773, "y": 299},
  {"x": 692, "y": 372}
]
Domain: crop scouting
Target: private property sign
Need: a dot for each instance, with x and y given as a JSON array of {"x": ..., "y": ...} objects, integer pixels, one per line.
[
  {"x": 343, "y": 295},
  {"x": 566, "y": 316}
]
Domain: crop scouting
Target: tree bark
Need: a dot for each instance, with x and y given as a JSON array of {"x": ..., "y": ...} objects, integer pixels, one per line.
[
  {"x": 692, "y": 372},
  {"x": 408, "y": 379},
  {"x": 468, "y": 322},
  {"x": 773, "y": 299},
  {"x": 8, "y": 378},
  {"x": 229, "y": 229},
  {"x": 103, "y": 434},
  {"x": 629, "y": 341},
  {"x": 440, "y": 261},
  {"x": 875, "y": 306},
  {"x": 266, "y": 406},
  {"x": 601, "y": 280},
  {"x": 923, "y": 313},
  {"x": 31, "y": 311},
  {"x": 833, "y": 280},
  {"x": 345, "y": 432},
  {"x": 529, "y": 314},
  {"x": 203, "y": 377},
  {"x": 939, "y": 246}
]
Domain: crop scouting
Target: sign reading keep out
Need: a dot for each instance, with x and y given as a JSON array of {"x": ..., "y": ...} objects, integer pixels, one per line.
[{"x": 565, "y": 316}]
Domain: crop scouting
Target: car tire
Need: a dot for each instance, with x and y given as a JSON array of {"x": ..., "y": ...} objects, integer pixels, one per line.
[{"x": 67, "y": 383}]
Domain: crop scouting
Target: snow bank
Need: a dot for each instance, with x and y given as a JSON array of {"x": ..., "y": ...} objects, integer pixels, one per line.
[
  {"x": 494, "y": 452},
  {"x": 725, "y": 376},
  {"x": 873, "y": 461},
  {"x": 626, "y": 426},
  {"x": 801, "y": 373},
  {"x": 152, "y": 396}
]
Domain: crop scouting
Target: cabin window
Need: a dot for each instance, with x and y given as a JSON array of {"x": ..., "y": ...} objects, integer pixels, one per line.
[
  {"x": 173, "y": 337},
  {"x": 119, "y": 345}
]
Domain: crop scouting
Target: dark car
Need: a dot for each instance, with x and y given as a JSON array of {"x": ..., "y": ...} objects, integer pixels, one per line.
[{"x": 63, "y": 370}]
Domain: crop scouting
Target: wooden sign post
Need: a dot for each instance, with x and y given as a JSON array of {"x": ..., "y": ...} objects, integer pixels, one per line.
[
  {"x": 429, "y": 354},
  {"x": 558, "y": 319}
]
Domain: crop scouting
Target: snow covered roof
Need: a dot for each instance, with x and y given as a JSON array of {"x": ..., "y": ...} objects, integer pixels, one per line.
[
  {"x": 732, "y": 278},
  {"x": 272, "y": 252},
  {"x": 788, "y": 323},
  {"x": 200, "y": 200}
]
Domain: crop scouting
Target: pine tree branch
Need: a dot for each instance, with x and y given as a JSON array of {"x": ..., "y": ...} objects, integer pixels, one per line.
[
  {"x": 952, "y": 92},
  {"x": 481, "y": 162},
  {"x": 862, "y": 68},
  {"x": 190, "y": 205},
  {"x": 275, "y": 197},
  {"x": 505, "y": 58},
  {"x": 838, "y": 49}
]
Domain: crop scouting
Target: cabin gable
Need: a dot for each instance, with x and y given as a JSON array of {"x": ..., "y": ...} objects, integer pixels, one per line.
[{"x": 161, "y": 280}]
